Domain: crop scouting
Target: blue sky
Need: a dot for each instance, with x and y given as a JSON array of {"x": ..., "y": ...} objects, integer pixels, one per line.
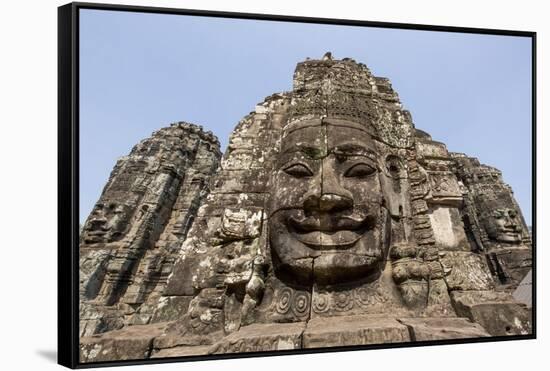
[{"x": 140, "y": 72}]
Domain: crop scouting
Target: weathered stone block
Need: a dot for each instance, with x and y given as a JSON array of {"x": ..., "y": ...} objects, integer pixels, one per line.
[
  {"x": 242, "y": 159},
  {"x": 514, "y": 264},
  {"x": 524, "y": 292},
  {"x": 95, "y": 319},
  {"x": 353, "y": 330},
  {"x": 241, "y": 223},
  {"x": 241, "y": 181},
  {"x": 218, "y": 202},
  {"x": 466, "y": 271},
  {"x": 262, "y": 337},
  {"x": 133, "y": 342},
  {"x": 439, "y": 302},
  {"x": 431, "y": 149},
  {"x": 92, "y": 269},
  {"x": 447, "y": 228},
  {"x": 181, "y": 283},
  {"x": 497, "y": 312},
  {"x": 170, "y": 308},
  {"x": 181, "y": 351},
  {"x": 442, "y": 328}
]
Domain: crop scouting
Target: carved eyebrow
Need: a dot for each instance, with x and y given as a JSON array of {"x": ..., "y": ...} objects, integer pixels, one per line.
[
  {"x": 307, "y": 150},
  {"x": 352, "y": 149},
  {"x": 313, "y": 152}
]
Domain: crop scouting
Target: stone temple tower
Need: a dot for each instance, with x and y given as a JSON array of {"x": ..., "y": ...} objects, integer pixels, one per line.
[
  {"x": 331, "y": 221},
  {"x": 132, "y": 237}
]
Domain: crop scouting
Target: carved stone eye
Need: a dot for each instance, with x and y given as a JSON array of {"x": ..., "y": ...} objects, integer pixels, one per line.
[
  {"x": 298, "y": 171},
  {"x": 360, "y": 171}
]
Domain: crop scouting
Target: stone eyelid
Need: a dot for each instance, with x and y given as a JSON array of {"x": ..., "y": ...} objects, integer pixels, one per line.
[
  {"x": 298, "y": 170},
  {"x": 360, "y": 170}
]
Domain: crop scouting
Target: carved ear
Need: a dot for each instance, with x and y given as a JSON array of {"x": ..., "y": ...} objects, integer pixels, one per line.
[{"x": 390, "y": 179}]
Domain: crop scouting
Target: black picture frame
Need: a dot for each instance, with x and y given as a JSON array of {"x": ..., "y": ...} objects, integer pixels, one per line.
[{"x": 68, "y": 176}]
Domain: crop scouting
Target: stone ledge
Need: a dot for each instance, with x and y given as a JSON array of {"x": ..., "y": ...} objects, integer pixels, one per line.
[
  {"x": 497, "y": 312},
  {"x": 132, "y": 342},
  {"x": 422, "y": 329},
  {"x": 353, "y": 330},
  {"x": 262, "y": 337},
  {"x": 181, "y": 351}
]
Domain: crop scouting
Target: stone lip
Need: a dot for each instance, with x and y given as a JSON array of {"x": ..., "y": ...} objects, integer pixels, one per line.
[{"x": 329, "y": 233}]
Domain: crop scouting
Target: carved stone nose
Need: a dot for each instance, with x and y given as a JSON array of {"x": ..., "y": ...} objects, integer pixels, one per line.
[
  {"x": 509, "y": 222},
  {"x": 328, "y": 202}
]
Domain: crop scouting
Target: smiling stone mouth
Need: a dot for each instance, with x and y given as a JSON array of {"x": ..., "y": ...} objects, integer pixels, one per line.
[
  {"x": 509, "y": 231},
  {"x": 329, "y": 233},
  {"x": 98, "y": 232}
]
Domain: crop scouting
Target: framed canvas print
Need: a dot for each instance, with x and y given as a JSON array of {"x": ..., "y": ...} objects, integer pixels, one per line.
[{"x": 235, "y": 185}]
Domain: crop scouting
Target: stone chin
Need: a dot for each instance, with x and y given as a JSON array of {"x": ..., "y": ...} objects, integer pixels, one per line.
[
  {"x": 325, "y": 257},
  {"x": 342, "y": 267}
]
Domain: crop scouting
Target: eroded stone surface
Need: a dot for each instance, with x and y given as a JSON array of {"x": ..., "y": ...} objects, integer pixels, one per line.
[
  {"x": 524, "y": 291},
  {"x": 495, "y": 221},
  {"x": 354, "y": 330},
  {"x": 442, "y": 328},
  {"x": 331, "y": 220},
  {"x": 262, "y": 337},
  {"x": 130, "y": 241},
  {"x": 466, "y": 271},
  {"x": 498, "y": 312},
  {"x": 130, "y": 343},
  {"x": 181, "y": 351}
]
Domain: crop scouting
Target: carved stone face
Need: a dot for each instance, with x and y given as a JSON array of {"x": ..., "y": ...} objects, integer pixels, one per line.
[
  {"x": 106, "y": 223},
  {"x": 326, "y": 223},
  {"x": 503, "y": 225}
]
